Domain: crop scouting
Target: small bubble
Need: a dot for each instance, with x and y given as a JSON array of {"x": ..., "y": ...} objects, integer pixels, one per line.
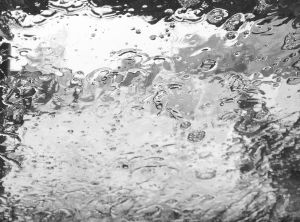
[{"x": 138, "y": 31}]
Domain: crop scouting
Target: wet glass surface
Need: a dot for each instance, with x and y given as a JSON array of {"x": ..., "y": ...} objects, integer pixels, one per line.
[{"x": 150, "y": 111}]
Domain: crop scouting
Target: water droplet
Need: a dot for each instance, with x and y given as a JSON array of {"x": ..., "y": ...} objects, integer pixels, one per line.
[
  {"x": 104, "y": 11},
  {"x": 247, "y": 127},
  {"x": 297, "y": 65},
  {"x": 183, "y": 14},
  {"x": 205, "y": 174},
  {"x": 267, "y": 68},
  {"x": 293, "y": 80},
  {"x": 196, "y": 136},
  {"x": 185, "y": 125},
  {"x": 152, "y": 37},
  {"x": 113, "y": 148},
  {"x": 207, "y": 65},
  {"x": 278, "y": 71},
  {"x": 246, "y": 166},
  {"x": 216, "y": 16},
  {"x": 169, "y": 11},
  {"x": 286, "y": 59},
  {"x": 293, "y": 54},
  {"x": 291, "y": 41},
  {"x": 234, "y": 22},
  {"x": 237, "y": 53},
  {"x": 130, "y": 10},
  {"x": 204, "y": 154},
  {"x": 172, "y": 25},
  {"x": 70, "y": 131},
  {"x": 231, "y": 35},
  {"x": 48, "y": 13}
]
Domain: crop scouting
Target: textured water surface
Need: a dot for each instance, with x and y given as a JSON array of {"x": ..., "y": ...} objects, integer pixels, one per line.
[{"x": 148, "y": 111}]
